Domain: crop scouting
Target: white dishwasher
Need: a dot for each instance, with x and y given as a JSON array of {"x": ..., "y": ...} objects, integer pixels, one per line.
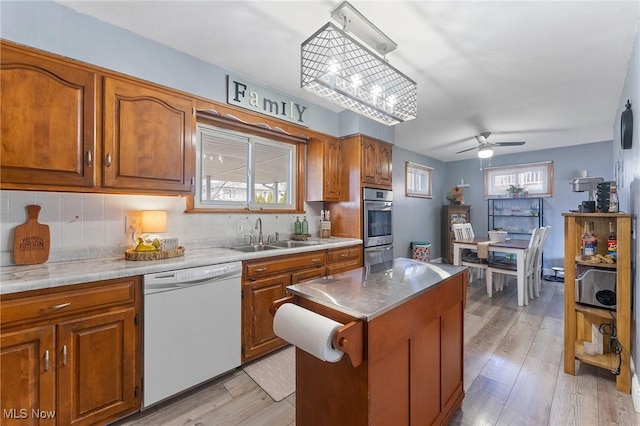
[{"x": 191, "y": 328}]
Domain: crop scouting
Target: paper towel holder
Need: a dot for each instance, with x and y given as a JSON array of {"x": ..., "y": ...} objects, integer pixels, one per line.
[{"x": 349, "y": 338}]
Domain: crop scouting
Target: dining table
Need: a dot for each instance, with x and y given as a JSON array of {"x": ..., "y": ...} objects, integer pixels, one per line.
[{"x": 511, "y": 246}]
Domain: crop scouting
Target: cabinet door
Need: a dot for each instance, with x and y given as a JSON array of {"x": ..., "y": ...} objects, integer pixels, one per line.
[
  {"x": 369, "y": 161},
  {"x": 258, "y": 337},
  {"x": 47, "y": 117},
  {"x": 148, "y": 138},
  {"x": 331, "y": 182},
  {"x": 28, "y": 376},
  {"x": 384, "y": 164},
  {"x": 97, "y": 368},
  {"x": 323, "y": 169}
]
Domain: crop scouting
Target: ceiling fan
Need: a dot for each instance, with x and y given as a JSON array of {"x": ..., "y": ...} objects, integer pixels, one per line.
[{"x": 485, "y": 149}]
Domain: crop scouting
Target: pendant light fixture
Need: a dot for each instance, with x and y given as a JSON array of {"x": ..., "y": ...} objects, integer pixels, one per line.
[{"x": 337, "y": 66}]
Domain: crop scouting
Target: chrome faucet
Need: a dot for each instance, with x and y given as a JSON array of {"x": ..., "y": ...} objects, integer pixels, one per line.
[{"x": 259, "y": 226}]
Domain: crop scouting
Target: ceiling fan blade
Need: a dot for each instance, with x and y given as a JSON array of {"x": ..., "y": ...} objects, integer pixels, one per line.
[
  {"x": 508, "y": 143},
  {"x": 465, "y": 150}
]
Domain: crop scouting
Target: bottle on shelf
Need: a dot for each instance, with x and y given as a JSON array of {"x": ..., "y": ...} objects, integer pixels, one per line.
[
  {"x": 588, "y": 242},
  {"x": 612, "y": 241},
  {"x": 297, "y": 226},
  {"x": 305, "y": 226}
]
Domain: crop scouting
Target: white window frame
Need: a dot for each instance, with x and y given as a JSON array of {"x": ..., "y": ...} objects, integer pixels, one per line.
[
  {"x": 418, "y": 180},
  {"x": 251, "y": 141},
  {"x": 536, "y": 178}
]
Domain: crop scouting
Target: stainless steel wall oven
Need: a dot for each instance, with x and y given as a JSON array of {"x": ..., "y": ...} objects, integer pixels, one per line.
[{"x": 378, "y": 228}]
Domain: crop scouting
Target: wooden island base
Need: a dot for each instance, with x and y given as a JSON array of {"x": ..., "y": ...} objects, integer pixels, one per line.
[{"x": 412, "y": 371}]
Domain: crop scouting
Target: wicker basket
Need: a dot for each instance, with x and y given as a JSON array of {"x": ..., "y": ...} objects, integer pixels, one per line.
[{"x": 131, "y": 254}]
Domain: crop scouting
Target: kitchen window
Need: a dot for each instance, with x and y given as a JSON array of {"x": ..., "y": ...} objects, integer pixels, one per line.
[
  {"x": 240, "y": 171},
  {"x": 535, "y": 179}
]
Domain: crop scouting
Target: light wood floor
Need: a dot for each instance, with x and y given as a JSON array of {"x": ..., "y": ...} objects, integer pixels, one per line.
[{"x": 513, "y": 376}]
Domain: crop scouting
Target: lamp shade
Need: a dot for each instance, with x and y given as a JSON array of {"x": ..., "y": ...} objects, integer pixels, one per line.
[
  {"x": 154, "y": 221},
  {"x": 485, "y": 152}
]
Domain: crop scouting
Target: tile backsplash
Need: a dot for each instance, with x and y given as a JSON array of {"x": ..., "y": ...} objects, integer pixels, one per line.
[{"x": 84, "y": 226}]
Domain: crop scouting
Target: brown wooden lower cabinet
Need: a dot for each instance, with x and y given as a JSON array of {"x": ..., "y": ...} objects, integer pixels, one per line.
[
  {"x": 266, "y": 280},
  {"x": 413, "y": 368},
  {"x": 72, "y": 355}
]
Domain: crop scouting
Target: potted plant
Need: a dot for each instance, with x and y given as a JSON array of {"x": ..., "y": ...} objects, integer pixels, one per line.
[{"x": 515, "y": 191}]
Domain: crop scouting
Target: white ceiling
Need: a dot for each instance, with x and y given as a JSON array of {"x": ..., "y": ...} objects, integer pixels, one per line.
[{"x": 548, "y": 73}]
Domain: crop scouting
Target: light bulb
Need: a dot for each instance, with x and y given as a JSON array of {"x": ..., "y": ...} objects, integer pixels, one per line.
[{"x": 485, "y": 152}]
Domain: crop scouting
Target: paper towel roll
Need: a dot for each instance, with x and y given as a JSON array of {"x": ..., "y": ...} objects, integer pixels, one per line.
[{"x": 307, "y": 330}]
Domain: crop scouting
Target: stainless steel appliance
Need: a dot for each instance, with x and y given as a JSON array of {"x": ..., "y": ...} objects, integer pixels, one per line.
[
  {"x": 191, "y": 328},
  {"x": 378, "y": 229},
  {"x": 597, "y": 288},
  {"x": 590, "y": 185}
]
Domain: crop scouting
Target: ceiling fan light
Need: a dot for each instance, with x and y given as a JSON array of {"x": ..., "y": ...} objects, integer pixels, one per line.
[{"x": 485, "y": 152}]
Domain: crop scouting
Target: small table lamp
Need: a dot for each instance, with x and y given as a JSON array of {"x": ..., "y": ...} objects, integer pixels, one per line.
[{"x": 153, "y": 222}]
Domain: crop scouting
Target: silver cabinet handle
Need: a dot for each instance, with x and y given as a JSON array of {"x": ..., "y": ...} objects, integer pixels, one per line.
[
  {"x": 261, "y": 269},
  {"x": 89, "y": 158},
  {"x": 46, "y": 360},
  {"x": 109, "y": 160},
  {"x": 315, "y": 260},
  {"x": 64, "y": 355},
  {"x": 56, "y": 307}
]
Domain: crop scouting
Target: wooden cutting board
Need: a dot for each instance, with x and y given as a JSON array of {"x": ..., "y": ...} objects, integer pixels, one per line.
[{"x": 31, "y": 240}]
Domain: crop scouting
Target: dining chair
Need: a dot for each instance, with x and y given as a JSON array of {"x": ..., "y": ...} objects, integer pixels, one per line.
[
  {"x": 537, "y": 284},
  {"x": 506, "y": 267},
  {"x": 464, "y": 231}
]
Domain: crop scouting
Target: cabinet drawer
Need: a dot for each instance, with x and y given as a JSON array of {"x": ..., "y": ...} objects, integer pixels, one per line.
[
  {"x": 78, "y": 298},
  {"x": 283, "y": 264},
  {"x": 340, "y": 255}
]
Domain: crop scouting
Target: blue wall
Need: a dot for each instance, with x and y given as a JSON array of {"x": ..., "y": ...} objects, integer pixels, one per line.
[{"x": 596, "y": 158}]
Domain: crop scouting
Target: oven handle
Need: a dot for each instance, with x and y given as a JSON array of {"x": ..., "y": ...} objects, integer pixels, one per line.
[
  {"x": 378, "y": 205},
  {"x": 379, "y": 248}
]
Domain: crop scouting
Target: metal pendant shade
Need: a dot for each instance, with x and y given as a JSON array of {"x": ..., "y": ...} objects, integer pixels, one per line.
[{"x": 340, "y": 68}]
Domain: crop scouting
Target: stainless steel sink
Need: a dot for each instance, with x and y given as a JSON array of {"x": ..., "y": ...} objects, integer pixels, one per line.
[
  {"x": 253, "y": 247},
  {"x": 292, "y": 243}
]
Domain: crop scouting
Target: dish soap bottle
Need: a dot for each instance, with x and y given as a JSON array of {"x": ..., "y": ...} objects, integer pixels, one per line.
[
  {"x": 305, "y": 226},
  {"x": 297, "y": 226}
]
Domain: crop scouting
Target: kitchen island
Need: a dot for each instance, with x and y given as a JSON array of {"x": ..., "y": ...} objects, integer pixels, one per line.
[{"x": 406, "y": 366}]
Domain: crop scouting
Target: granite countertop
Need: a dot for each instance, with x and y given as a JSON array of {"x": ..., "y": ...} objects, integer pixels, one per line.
[
  {"x": 15, "y": 279},
  {"x": 368, "y": 293}
]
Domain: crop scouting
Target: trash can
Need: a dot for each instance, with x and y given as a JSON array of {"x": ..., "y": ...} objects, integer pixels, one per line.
[{"x": 421, "y": 250}]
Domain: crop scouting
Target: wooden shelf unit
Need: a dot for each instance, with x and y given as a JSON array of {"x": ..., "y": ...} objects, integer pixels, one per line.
[{"x": 579, "y": 318}]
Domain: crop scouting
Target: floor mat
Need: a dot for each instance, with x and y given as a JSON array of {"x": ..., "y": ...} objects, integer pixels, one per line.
[{"x": 275, "y": 373}]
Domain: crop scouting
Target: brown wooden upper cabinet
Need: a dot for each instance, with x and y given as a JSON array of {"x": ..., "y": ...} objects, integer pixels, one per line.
[
  {"x": 48, "y": 116},
  {"x": 323, "y": 169},
  {"x": 147, "y": 138},
  {"x": 376, "y": 162},
  {"x": 373, "y": 157},
  {"x": 69, "y": 126}
]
